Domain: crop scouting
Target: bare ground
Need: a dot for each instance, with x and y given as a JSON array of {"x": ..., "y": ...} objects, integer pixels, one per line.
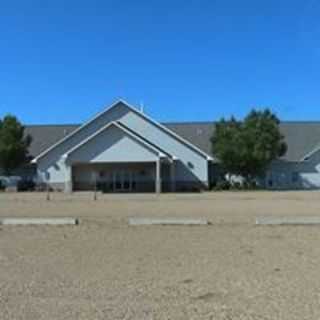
[{"x": 104, "y": 269}]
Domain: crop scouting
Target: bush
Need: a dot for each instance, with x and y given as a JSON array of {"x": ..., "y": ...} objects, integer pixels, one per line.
[
  {"x": 251, "y": 185},
  {"x": 236, "y": 186},
  {"x": 26, "y": 185},
  {"x": 222, "y": 185},
  {"x": 2, "y": 187}
]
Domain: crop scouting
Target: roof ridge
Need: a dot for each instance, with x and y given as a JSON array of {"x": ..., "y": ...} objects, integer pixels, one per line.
[
  {"x": 53, "y": 125},
  {"x": 188, "y": 122},
  {"x": 169, "y": 123},
  {"x": 301, "y": 121}
]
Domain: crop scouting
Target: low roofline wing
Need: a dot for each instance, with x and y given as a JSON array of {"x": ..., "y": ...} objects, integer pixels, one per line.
[{"x": 311, "y": 153}]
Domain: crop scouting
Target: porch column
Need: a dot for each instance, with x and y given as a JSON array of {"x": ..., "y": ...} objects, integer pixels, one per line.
[
  {"x": 173, "y": 176},
  {"x": 158, "y": 176},
  {"x": 68, "y": 179}
]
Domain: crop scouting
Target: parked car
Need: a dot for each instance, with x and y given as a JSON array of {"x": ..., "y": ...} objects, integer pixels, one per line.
[
  {"x": 21, "y": 184},
  {"x": 10, "y": 181}
]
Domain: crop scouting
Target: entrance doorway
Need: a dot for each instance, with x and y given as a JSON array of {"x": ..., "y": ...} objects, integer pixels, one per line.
[
  {"x": 123, "y": 181},
  {"x": 115, "y": 177}
]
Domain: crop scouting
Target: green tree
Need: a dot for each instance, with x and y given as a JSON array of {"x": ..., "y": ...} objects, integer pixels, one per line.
[
  {"x": 14, "y": 144},
  {"x": 248, "y": 147}
]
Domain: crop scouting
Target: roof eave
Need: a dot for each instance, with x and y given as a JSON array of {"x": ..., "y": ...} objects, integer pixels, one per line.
[
  {"x": 78, "y": 129},
  {"x": 176, "y": 136}
]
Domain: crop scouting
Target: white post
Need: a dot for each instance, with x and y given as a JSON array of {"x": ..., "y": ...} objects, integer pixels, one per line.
[
  {"x": 68, "y": 179},
  {"x": 158, "y": 176},
  {"x": 45, "y": 177}
]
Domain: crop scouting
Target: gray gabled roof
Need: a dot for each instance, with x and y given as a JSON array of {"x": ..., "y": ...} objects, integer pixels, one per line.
[
  {"x": 44, "y": 136},
  {"x": 198, "y": 133},
  {"x": 116, "y": 104},
  {"x": 301, "y": 137}
]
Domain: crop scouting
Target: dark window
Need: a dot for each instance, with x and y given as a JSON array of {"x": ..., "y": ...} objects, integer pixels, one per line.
[
  {"x": 190, "y": 165},
  {"x": 295, "y": 177}
]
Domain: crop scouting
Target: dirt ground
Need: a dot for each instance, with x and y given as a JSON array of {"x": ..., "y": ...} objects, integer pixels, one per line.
[{"x": 104, "y": 269}]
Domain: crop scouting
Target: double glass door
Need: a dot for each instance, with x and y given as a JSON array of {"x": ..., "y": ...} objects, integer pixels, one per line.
[{"x": 123, "y": 181}]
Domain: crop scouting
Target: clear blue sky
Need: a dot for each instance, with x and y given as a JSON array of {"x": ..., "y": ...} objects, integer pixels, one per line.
[{"x": 63, "y": 61}]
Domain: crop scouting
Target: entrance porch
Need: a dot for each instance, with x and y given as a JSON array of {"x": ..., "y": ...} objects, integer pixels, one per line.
[{"x": 155, "y": 176}]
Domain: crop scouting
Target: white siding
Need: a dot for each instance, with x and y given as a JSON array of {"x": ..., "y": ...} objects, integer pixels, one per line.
[
  {"x": 295, "y": 175},
  {"x": 191, "y": 166},
  {"x": 112, "y": 145}
]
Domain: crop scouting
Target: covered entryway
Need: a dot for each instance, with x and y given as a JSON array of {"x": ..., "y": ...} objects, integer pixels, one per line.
[
  {"x": 116, "y": 160},
  {"x": 123, "y": 177},
  {"x": 123, "y": 181},
  {"x": 115, "y": 177}
]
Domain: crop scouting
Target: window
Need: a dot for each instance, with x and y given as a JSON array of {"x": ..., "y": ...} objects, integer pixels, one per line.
[
  {"x": 199, "y": 132},
  {"x": 270, "y": 179},
  {"x": 190, "y": 165},
  {"x": 295, "y": 177}
]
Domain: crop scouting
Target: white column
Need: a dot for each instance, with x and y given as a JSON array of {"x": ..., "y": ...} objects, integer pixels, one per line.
[
  {"x": 68, "y": 179},
  {"x": 158, "y": 176}
]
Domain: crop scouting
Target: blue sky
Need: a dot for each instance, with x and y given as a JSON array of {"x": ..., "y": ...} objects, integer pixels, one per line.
[{"x": 63, "y": 61}]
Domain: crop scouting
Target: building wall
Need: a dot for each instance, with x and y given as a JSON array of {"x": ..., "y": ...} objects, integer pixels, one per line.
[
  {"x": 284, "y": 175},
  {"x": 113, "y": 145},
  {"x": 52, "y": 168},
  {"x": 294, "y": 175},
  {"x": 191, "y": 167}
]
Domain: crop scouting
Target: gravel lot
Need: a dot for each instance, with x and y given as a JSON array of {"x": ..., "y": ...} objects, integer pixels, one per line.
[{"x": 104, "y": 269}]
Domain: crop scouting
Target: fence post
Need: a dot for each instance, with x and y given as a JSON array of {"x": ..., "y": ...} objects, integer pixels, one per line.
[{"x": 48, "y": 192}]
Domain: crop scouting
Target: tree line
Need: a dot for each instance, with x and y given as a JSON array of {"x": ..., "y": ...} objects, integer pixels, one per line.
[
  {"x": 246, "y": 148},
  {"x": 14, "y": 144}
]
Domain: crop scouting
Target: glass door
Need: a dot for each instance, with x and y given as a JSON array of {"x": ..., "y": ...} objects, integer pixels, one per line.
[
  {"x": 117, "y": 181},
  {"x": 126, "y": 180},
  {"x": 122, "y": 181}
]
